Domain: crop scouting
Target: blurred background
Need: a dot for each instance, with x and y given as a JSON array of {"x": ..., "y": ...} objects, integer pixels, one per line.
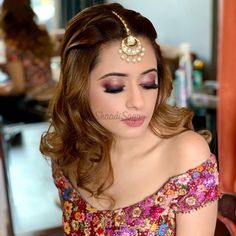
[{"x": 196, "y": 40}]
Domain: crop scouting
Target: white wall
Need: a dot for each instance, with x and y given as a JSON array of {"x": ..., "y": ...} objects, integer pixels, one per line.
[{"x": 179, "y": 21}]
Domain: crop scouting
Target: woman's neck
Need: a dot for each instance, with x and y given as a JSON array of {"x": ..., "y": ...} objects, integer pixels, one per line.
[{"x": 133, "y": 147}]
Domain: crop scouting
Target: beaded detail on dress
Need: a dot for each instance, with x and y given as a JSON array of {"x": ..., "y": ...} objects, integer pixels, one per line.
[{"x": 154, "y": 215}]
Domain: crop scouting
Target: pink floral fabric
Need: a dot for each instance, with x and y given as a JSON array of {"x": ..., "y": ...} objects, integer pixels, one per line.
[
  {"x": 154, "y": 215},
  {"x": 37, "y": 71}
]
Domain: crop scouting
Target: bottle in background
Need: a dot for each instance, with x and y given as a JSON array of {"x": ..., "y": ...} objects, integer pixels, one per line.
[
  {"x": 180, "y": 88},
  {"x": 198, "y": 66},
  {"x": 185, "y": 63}
]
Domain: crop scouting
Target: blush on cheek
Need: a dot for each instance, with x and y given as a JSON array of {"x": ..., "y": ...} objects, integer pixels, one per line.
[{"x": 99, "y": 104}]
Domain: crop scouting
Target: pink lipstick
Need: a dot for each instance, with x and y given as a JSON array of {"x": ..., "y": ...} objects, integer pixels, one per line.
[{"x": 134, "y": 122}]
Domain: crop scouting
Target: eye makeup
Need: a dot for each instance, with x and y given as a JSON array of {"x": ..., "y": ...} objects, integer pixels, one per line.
[
  {"x": 150, "y": 86},
  {"x": 149, "y": 81},
  {"x": 116, "y": 85},
  {"x": 113, "y": 87}
]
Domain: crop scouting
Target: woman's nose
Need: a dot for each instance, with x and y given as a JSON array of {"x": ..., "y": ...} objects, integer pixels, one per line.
[{"x": 135, "y": 98}]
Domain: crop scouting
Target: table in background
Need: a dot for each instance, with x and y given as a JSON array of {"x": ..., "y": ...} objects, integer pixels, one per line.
[{"x": 32, "y": 196}]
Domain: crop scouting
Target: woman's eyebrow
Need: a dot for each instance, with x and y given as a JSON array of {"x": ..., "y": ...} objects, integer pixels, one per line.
[
  {"x": 126, "y": 75},
  {"x": 113, "y": 74},
  {"x": 148, "y": 71}
]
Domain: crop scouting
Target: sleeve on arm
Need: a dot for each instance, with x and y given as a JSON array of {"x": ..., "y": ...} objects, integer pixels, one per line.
[
  {"x": 197, "y": 187},
  {"x": 55, "y": 170},
  {"x": 62, "y": 183},
  {"x": 57, "y": 175}
]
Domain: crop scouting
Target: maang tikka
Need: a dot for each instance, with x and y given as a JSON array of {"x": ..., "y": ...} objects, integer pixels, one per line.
[{"x": 131, "y": 49}]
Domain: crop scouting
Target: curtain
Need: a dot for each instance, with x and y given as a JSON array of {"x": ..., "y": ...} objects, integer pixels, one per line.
[
  {"x": 70, "y": 7},
  {"x": 227, "y": 96}
]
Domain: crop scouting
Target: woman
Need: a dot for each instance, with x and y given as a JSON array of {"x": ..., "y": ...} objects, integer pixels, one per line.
[
  {"x": 125, "y": 162},
  {"x": 28, "y": 51}
]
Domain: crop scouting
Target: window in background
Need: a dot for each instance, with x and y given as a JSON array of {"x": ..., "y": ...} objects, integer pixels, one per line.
[
  {"x": 46, "y": 11},
  {"x": 69, "y": 8}
]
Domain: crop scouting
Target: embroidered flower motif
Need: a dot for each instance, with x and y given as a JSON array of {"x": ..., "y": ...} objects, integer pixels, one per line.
[
  {"x": 195, "y": 174},
  {"x": 159, "y": 199},
  {"x": 66, "y": 193},
  {"x": 183, "y": 179},
  {"x": 119, "y": 219},
  {"x": 79, "y": 216},
  {"x": 67, "y": 207},
  {"x": 136, "y": 212},
  {"x": 209, "y": 181},
  {"x": 200, "y": 168},
  {"x": 89, "y": 216},
  {"x": 182, "y": 192},
  {"x": 67, "y": 227},
  {"x": 191, "y": 201},
  {"x": 201, "y": 188},
  {"x": 153, "y": 227},
  {"x": 75, "y": 225},
  {"x": 162, "y": 229}
]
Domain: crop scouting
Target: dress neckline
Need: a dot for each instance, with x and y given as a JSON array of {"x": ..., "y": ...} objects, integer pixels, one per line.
[{"x": 211, "y": 159}]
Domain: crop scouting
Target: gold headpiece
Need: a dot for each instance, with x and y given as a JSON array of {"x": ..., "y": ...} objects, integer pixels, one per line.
[{"x": 131, "y": 49}]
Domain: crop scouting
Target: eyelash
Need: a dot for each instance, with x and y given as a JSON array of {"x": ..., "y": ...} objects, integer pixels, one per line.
[
  {"x": 114, "y": 90},
  {"x": 150, "y": 86},
  {"x": 120, "y": 89}
]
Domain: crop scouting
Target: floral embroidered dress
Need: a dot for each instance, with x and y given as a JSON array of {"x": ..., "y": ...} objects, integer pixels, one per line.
[{"x": 154, "y": 215}]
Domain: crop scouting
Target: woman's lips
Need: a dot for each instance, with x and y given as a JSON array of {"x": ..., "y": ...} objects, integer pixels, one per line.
[{"x": 134, "y": 122}]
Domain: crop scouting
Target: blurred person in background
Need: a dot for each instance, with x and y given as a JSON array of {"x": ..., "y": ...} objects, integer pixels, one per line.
[{"x": 28, "y": 50}]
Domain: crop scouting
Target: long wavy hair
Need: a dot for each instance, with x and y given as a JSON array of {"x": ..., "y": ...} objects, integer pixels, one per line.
[
  {"x": 18, "y": 22},
  {"x": 75, "y": 141}
]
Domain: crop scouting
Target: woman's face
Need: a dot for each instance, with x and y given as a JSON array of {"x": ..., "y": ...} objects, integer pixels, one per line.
[{"x": 122, "y": 95}]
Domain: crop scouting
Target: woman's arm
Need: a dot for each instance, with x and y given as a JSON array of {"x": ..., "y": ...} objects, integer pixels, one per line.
[
  {"x": 16, "y": 85},
  {"x": 197, "y": 209},
  {"x": 200, "y": 222}
]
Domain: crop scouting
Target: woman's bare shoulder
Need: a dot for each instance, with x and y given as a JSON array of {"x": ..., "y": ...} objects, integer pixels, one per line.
[{"x": 189, "y": 149}]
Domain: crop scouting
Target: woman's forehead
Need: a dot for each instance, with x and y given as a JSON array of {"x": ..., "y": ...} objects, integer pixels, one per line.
[{"x": 109, "y": 58}]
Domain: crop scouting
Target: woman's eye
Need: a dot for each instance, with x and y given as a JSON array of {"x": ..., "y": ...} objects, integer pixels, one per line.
[
  {"x": 150, "y": 86},
  {"x": 113, "y": 89}
]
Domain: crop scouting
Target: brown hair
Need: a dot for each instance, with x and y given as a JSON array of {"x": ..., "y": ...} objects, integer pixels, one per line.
[
  {"x": 18, "y": 24},
  {"x": 75, "y": 141}
]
